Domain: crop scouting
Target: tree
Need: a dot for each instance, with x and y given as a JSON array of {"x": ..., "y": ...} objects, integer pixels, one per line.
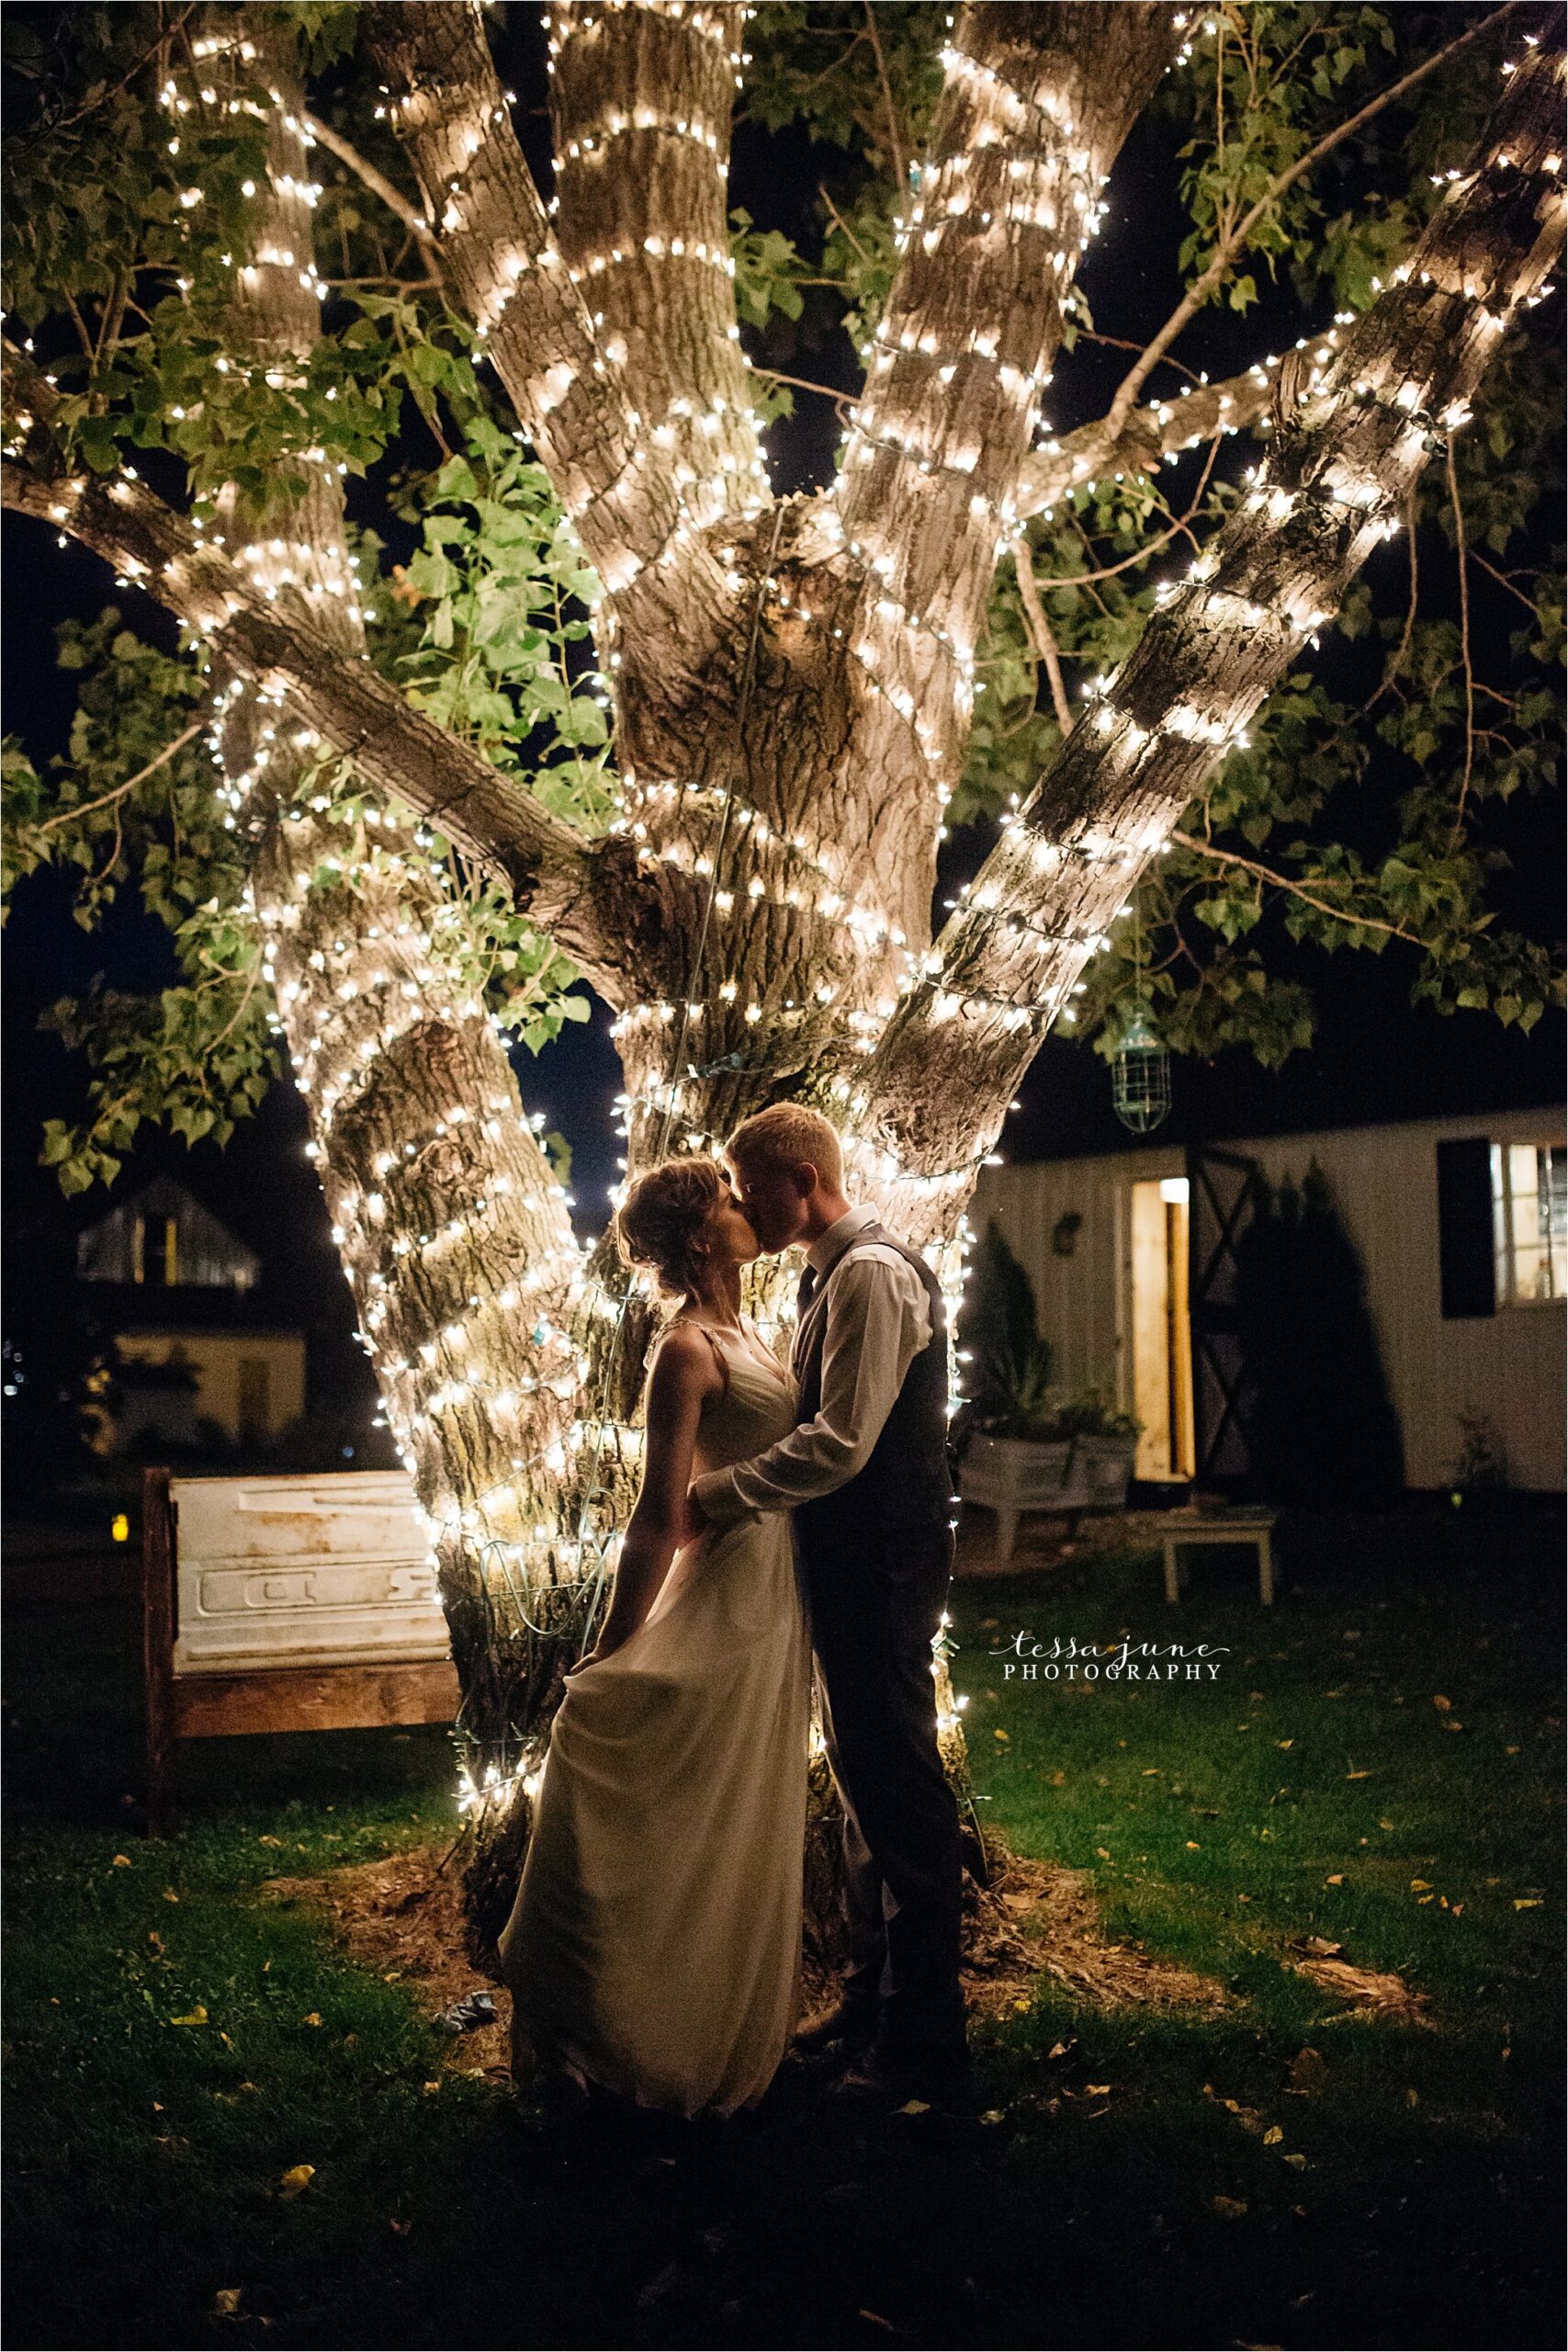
[{"x": 404, "y": 799}]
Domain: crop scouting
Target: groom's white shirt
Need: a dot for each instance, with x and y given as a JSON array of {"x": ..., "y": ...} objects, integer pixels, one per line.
[{"x": 878, "y": 1320}]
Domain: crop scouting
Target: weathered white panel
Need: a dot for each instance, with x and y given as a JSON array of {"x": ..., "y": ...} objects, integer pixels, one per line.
[{"x": 303, "y": 1571}]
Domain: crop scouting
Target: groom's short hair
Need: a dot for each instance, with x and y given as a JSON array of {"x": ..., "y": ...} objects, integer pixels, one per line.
[{"x": 787, "y": 1135}]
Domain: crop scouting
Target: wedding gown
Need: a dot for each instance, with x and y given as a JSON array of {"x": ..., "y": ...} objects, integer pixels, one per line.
[{"x": 654, "y": 1946}]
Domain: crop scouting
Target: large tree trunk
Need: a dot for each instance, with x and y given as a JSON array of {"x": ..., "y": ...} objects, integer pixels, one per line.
[
  {"x": 453, "y": 1232},
  {"x": 792, "y": 686}
]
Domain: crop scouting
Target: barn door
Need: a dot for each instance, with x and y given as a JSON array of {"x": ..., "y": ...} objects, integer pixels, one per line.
[{"x": 1223, "y": 1195}]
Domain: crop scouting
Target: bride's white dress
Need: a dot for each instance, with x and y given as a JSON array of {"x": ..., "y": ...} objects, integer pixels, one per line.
[{"x": 654, "y": 1946}]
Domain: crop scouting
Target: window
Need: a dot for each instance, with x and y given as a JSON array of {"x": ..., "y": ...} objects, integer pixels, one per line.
[{"x": 1529, "y": 1220}]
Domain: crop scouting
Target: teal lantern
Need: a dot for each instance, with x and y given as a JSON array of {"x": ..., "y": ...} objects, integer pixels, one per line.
[{"x": 1140, "y": 1075}]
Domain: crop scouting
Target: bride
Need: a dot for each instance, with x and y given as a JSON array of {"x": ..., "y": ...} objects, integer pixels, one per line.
[{"x": 654, "y": 1946}]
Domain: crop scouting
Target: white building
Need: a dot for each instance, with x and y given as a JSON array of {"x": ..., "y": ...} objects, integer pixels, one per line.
[
  {"x": 187, "y": 1306},
  {"x": 1461, "y": 1225}
]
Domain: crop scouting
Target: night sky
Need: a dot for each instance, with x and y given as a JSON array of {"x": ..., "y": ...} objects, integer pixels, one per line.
[{"x": 1377, "y": 1056}]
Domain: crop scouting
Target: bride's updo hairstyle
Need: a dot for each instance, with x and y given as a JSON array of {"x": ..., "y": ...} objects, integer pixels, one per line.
[{"x": 663, "y": 1217}]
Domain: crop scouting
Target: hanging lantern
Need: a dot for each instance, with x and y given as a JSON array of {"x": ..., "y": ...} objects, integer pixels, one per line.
[{"x": 1140, "y": 1075}]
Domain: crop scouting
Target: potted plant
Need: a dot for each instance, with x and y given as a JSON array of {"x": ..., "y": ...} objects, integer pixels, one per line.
[
  {"x": 1105, "y": 1447},
  {"x": 1024, "y": 1447}
]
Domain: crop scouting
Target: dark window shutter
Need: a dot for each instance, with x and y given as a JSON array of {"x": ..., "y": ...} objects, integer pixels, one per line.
[{"x": 1464, "y": 1227}]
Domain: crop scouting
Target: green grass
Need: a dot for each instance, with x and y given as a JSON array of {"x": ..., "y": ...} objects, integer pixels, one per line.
[{"x": 145, "y": 2155}]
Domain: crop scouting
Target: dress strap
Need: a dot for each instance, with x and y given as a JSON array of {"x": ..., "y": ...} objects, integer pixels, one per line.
[{"x": 689, "y": 1322}]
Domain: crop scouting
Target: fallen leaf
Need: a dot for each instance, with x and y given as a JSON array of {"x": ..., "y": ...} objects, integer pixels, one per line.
[
  {"x": 1416, "y": 1885},
  {"x": 192, "y": 2017},
  {"x": 226, "y": 2302},
  {"x": 314, "y": 2018},
  {"x": 265, "y": 1840},
  {"x": 1002, "y": 1737},
  {"x": 1272, "y": 2137},
  {"x": 994, "y": 2115},
  {"x": 1440, "y": 1702},
  {"x": 1233, "y": 2208},
  {"x": 1285, "y": 1743},
  {"x": 296, "y": 2181},
  {"x": 1299, "y": 2161},
  {"x": 1058, "y": 1780},
  {"x": 1337, "y": 1879},
  {"x": 121, "y": 1862},
  {"x": 1308, "y": 2072},
  {"x": 915, "y": 2106},
  {"x": 1193, "y": 1847},
  {"x": 1104, "y": 1853},
  {"x": 401, "y": 2228},
  {"x": 1359, "y": 1776},
  {"x": 1096, "y": 2090},
  {"x": 1527, "y": 1903}
]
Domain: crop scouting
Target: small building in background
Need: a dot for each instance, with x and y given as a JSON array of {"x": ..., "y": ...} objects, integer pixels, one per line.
[
  {"x": 201, "y": 1357},
  {"x": 1145, "y": 1268}
]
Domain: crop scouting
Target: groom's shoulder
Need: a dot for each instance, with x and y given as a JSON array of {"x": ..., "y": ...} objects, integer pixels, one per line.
[{"x": 878, "y": 1250}]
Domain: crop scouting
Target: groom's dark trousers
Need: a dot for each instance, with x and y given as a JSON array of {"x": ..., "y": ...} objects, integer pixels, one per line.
[{"x": 876, "y": 1556}]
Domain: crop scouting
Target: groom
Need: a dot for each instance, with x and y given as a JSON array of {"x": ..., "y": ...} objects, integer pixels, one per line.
[{"x": 866, "y": 1473}]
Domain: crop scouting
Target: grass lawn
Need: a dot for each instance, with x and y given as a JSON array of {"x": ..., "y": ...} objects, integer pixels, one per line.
[{"x": 174, "y": 2047}]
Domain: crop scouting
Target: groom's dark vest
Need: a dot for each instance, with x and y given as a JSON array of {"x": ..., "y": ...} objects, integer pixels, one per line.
[{"x": 905, "y": 1483}]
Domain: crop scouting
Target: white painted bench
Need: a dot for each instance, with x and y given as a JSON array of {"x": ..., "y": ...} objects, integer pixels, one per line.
[{"x": 1183, "y": 1530}]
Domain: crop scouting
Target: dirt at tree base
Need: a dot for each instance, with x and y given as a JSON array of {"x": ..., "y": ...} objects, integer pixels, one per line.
[{"x": 403, "y": 1917}]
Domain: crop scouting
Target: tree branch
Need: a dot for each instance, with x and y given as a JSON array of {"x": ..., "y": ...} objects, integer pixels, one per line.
[
  {"x": 1333, "y": 488},
  {"x": 1162, "y": 430},
  {"x": 1235, "y": 242},
  {"x": 896, "y": 145},
  {"x": 589, "y": 896},
  {"x": 397, "y": 204},
  {"x": 566, "y": 378},
  {"x": 160, "y": 759},
  {"x": 1040, "y": 630},
  {"x": 1296, "y": 889},
  {"x": 1036, "y": 104},
  {"x": 1462, "y": 552},
  {"x": 641, "y": 104}
]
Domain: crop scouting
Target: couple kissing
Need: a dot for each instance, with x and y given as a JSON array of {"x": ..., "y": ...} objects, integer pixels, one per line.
[{"x": 654, "y": 1948}]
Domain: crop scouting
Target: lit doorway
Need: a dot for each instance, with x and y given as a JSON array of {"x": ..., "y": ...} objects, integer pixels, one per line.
[{"x": 1162, "y": 1339}]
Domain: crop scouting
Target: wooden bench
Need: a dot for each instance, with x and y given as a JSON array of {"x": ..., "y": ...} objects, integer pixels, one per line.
[
  {"x": 1182, "y": 1530},
  {"x": 284, "y": 1605}
]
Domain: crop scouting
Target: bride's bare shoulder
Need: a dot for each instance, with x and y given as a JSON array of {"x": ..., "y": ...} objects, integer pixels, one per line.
[{"x": 684, "y": 1359}]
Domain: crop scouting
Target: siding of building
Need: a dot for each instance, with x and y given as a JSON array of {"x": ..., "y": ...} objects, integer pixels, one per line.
[
  {"x": 250, "y": 1383},
  {"x": 1508, "y": 1367}
]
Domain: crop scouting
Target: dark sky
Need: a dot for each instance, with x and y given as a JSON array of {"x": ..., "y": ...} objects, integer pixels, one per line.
[{"x": 1377, "y": 1056}]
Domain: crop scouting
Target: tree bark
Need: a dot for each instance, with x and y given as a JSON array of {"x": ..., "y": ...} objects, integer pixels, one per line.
[
  {"x": 454, "y": 1234},
  {"x": 1163, "y": 429},
  {"x": 565, "y": 366},
  {"x": 1354, "y": 434}
]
